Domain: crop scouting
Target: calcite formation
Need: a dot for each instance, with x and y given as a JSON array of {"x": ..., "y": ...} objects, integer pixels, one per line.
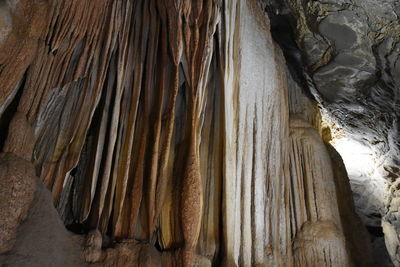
[{"x": 174, "y": 130}]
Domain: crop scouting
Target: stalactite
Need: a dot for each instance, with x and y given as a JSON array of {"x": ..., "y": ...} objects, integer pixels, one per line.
[{"x": 169, "y": 124}]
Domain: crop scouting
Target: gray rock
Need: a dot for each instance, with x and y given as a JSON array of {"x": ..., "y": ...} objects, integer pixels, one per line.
[{"x": 350, "y": 50}]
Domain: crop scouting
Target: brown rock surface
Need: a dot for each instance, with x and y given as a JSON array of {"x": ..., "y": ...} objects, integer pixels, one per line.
[
  {"x": 22, "y": 25},
  {"x": 131, "y": 254},
  {"x": 92, "y": 249},
  {"x": 20, "y": 140},
  {"x": 17, "y": 189},
  {"x": 42, "y": 239}
]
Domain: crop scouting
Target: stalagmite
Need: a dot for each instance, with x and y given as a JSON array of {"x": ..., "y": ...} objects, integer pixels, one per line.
[{"x": 319, "y": 239}]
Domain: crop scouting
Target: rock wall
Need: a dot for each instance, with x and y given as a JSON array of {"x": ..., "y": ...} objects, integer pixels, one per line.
[
  {"x": 345, "y": 53},
  {"x": 171, "y": 125}
]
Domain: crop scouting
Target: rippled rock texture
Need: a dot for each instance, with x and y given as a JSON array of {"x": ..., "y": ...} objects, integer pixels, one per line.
[{"x": 173, "y": 133}]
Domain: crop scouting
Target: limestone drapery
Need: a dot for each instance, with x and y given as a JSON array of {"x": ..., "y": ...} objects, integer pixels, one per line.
[{"x": 169, "y": 122}]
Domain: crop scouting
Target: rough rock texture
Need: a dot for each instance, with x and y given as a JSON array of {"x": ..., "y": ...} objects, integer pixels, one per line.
[
  {"x": 92, "y": 249},
  {"x": 131, "y": 253},
  {"x": 21, "y": 26},
  {"x": 173, "y": 125},
  {"x": 125, "y": 253},
  {"x": 42, "y": 239},
  {"x": 346, "y": 54},
  {"x": 17, "y": 189},
  {"x": 20, "y": 140}
]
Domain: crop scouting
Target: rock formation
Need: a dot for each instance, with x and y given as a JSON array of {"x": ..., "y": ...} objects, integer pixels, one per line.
[
  {"x": 347, "y": 52},
  {"x": 173, "y": 133},
  {"x": 18, "y": 185}
]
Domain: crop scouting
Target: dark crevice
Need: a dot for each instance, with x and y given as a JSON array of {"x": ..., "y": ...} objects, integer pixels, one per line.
[
  {"x": 76, "y": 228},
  {"x": 375, "y": 231},
  {"x": 282, "y": 31},
  {"x": 79, "y": 174},
  {"x": 93, "y": 138},
  {"x": 158, "y": 246}
]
